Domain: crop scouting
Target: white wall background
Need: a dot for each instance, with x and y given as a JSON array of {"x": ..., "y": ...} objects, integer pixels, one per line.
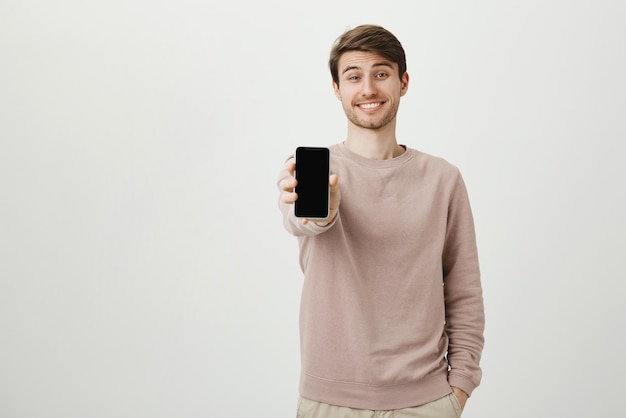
[{"x": 144, "y": 271}]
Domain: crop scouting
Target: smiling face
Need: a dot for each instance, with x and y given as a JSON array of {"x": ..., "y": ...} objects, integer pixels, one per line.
[{"x": 369, "y": 88}]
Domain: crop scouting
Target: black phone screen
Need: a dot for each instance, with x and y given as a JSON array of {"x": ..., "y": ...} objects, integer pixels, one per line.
[{"x": 312, "y": 171}]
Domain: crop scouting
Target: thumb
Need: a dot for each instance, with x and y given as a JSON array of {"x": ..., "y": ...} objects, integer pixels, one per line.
[{"x": 333, "y": 180}]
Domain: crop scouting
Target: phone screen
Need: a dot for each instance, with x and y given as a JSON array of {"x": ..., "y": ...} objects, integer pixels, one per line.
[{"x": 312, "y": 171}]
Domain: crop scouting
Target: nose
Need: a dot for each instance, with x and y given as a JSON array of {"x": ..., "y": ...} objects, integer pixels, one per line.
[{"x": 369, "y": 87}]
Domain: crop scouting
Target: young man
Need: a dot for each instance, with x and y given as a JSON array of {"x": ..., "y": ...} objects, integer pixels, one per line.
[{"x": 392, "y": 313}]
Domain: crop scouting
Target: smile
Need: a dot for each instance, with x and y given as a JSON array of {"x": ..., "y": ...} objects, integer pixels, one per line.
[{"x": 370, "y": 105}]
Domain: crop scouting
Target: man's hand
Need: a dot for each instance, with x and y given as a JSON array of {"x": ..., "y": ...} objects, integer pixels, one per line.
[
  {"x": 461, "y": 396},
  {"x": 288, "y": 195}
]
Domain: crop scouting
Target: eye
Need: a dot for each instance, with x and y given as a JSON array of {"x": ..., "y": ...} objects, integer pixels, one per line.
[
  {"x": 353, "y": 77},
  {"x": 382, "y": 75}
]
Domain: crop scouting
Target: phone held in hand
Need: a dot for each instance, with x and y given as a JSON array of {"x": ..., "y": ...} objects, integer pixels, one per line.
[{"x": 312, "y": 171}]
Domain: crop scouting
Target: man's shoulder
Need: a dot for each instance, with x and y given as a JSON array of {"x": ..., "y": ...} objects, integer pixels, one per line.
[{"x": 433, "y": 162}]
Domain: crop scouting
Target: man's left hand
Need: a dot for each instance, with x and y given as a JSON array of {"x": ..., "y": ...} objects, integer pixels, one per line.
[{"x": 461, "y": 396}]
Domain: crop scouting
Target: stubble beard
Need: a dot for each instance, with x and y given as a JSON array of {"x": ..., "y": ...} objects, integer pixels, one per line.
[{"x": 372, "y": 124}]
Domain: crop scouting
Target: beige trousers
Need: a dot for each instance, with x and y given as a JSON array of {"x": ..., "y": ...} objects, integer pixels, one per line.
[{"x": 446, "y": 407}]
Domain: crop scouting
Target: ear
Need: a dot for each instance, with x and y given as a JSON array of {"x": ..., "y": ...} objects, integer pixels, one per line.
[
  {"x": 405, "y": 83},
  {"x": 336, "y": 89}
]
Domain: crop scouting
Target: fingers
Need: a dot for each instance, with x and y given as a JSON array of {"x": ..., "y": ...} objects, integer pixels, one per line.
[
  {"x": 290, "y": 166},
  {"x": 288, "y": 197},
  {"x": 288, "y": 183},
  {"x": 287, "y": 186}
]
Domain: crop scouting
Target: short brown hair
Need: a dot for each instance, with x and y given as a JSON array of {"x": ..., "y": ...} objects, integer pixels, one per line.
[{"x": 367, "y": 38}]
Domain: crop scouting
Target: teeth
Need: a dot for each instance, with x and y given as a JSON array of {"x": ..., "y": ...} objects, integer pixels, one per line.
[{"x": 370, "y": 105}]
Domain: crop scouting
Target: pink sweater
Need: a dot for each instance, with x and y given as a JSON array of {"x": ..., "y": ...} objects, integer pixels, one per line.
[{"x": 392, "y": 312}]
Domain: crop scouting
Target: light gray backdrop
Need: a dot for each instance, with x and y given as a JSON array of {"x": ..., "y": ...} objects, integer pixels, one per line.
[{"x": 144, "y": 271}]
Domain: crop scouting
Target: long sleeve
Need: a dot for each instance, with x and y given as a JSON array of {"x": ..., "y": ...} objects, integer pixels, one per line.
[{"x": 465, "y": 321}]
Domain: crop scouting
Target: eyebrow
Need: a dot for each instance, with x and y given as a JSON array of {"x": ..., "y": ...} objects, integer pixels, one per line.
[{"x": 356, "y": 67}]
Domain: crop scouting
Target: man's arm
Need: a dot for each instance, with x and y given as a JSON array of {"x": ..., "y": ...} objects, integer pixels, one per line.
[{"x": 465, "y": 320}]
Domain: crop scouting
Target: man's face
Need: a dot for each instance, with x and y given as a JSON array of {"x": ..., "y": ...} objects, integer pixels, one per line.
[{"x": 369, "y": 89}]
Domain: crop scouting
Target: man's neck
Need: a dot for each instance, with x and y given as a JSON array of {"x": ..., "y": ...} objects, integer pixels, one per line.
[{"x": 375, "y": 144}]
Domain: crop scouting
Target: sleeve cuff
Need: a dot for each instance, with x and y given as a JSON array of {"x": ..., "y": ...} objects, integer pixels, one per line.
[{"x": 461, "y": 382}]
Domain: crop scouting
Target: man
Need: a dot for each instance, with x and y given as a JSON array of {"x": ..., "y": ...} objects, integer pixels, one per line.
[{"x": 392, "y": 313}]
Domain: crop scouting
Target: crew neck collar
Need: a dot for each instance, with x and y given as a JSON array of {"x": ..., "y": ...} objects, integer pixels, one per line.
[{"x": 391, "y": 162}]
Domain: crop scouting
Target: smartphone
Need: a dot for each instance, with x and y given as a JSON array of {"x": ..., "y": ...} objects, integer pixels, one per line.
[{"x": 312, "y": 171}]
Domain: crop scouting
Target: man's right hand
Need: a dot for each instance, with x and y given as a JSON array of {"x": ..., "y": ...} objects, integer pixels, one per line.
[{"x": 289, "y": 196}]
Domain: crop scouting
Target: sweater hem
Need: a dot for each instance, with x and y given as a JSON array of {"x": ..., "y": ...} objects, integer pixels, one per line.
[{"x": 374, "y": 397}]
